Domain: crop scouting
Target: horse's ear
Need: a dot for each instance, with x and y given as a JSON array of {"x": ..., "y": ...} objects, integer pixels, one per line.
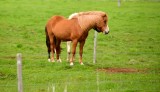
[{"x": 104, "y": 15}]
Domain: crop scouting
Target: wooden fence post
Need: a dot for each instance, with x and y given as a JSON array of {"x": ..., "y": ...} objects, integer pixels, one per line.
[
  {"x": 94, "y": 49},
  {"x": 19, "y": 72},
  {"x": 119, "y": 3}
]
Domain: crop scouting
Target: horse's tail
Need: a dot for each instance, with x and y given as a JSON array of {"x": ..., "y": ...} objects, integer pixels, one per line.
[
  {"x": 47, "y": 42},
  {"x": 47, "y": 38}
]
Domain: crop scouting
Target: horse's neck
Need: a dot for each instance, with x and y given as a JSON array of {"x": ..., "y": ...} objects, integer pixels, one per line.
[{"x": 87, "y": 22}]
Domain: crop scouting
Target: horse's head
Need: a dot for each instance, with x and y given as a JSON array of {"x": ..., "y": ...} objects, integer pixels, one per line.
[
  {"x": 102, "y": 24},
  {"x": 97, "y": 19}
]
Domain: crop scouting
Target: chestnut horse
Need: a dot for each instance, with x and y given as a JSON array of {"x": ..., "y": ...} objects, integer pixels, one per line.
[
  {"x": 100, "y": 13},
  {"x": 74, "y": 29}
]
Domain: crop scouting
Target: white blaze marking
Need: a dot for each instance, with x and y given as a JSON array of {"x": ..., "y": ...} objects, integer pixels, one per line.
[
  {"x": 108, "y": 27},
  {"x": 106, "y": 30}
]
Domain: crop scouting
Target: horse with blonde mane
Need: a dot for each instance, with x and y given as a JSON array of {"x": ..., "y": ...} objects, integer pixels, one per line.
[
  {"x": 100, "y": 13},
  {"x": 74, "y": 29}
]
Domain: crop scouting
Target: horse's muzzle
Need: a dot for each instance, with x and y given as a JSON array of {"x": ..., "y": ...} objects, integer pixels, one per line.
[{"x": 106, "y": 32}]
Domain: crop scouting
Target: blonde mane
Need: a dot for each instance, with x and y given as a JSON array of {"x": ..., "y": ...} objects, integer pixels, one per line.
[
  {"x": 75, "y": 15},
  {"x": 84, "y": 16}
]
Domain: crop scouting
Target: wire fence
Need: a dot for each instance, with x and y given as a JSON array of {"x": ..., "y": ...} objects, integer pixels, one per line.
[
  {"x": 69, "y": 81},
  {"x": 98, "y": 79},
  {"x": 36, "y": 77}
]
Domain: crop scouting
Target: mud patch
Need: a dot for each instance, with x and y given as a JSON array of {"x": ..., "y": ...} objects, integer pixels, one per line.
[{"x": 119, "y": 70}]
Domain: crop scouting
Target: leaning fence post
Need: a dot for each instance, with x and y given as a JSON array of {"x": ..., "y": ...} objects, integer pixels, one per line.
[
  {"x": 19, "y": 72},
  {"x": 94, "y": 50}
]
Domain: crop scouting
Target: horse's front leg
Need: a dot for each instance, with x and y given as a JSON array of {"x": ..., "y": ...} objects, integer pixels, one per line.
[
  {"x": 68, "y": 50},
  {"x": 74, "y": 45},
  {"x": 81, "y": 51}
]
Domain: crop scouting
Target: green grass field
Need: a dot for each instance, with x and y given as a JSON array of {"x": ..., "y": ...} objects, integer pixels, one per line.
[{"x": 133, "y": 43}]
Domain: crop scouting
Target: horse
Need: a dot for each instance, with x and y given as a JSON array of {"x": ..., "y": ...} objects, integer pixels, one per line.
[
  {"x": 76, "y": 14},
  {"x": 74, "y": 29}
]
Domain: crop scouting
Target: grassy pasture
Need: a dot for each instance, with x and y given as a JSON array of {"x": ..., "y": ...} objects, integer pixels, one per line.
[{"x": 133, "y": 43}]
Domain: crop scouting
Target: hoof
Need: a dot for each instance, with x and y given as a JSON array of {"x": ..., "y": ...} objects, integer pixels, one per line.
[
  {"x": 59, "y": 60},
  {"x": 67, "y": 59},
  {"x": 49, "y": 60},
  {"x": 71, "y": 64},
  {"x": 81, "y": 63},
  {"x": 53, "y": 61}
]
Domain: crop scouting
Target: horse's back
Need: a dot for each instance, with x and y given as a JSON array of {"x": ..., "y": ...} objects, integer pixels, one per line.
[{"x": 54, "y": 20}]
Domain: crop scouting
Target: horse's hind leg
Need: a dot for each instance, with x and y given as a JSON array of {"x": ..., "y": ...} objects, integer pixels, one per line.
[
  {"x": 49, "y": 58},
  {"x": 58, "y": 50},
  {"x": 48, "y": 44},
  {"x": 52, "y": 46}
]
